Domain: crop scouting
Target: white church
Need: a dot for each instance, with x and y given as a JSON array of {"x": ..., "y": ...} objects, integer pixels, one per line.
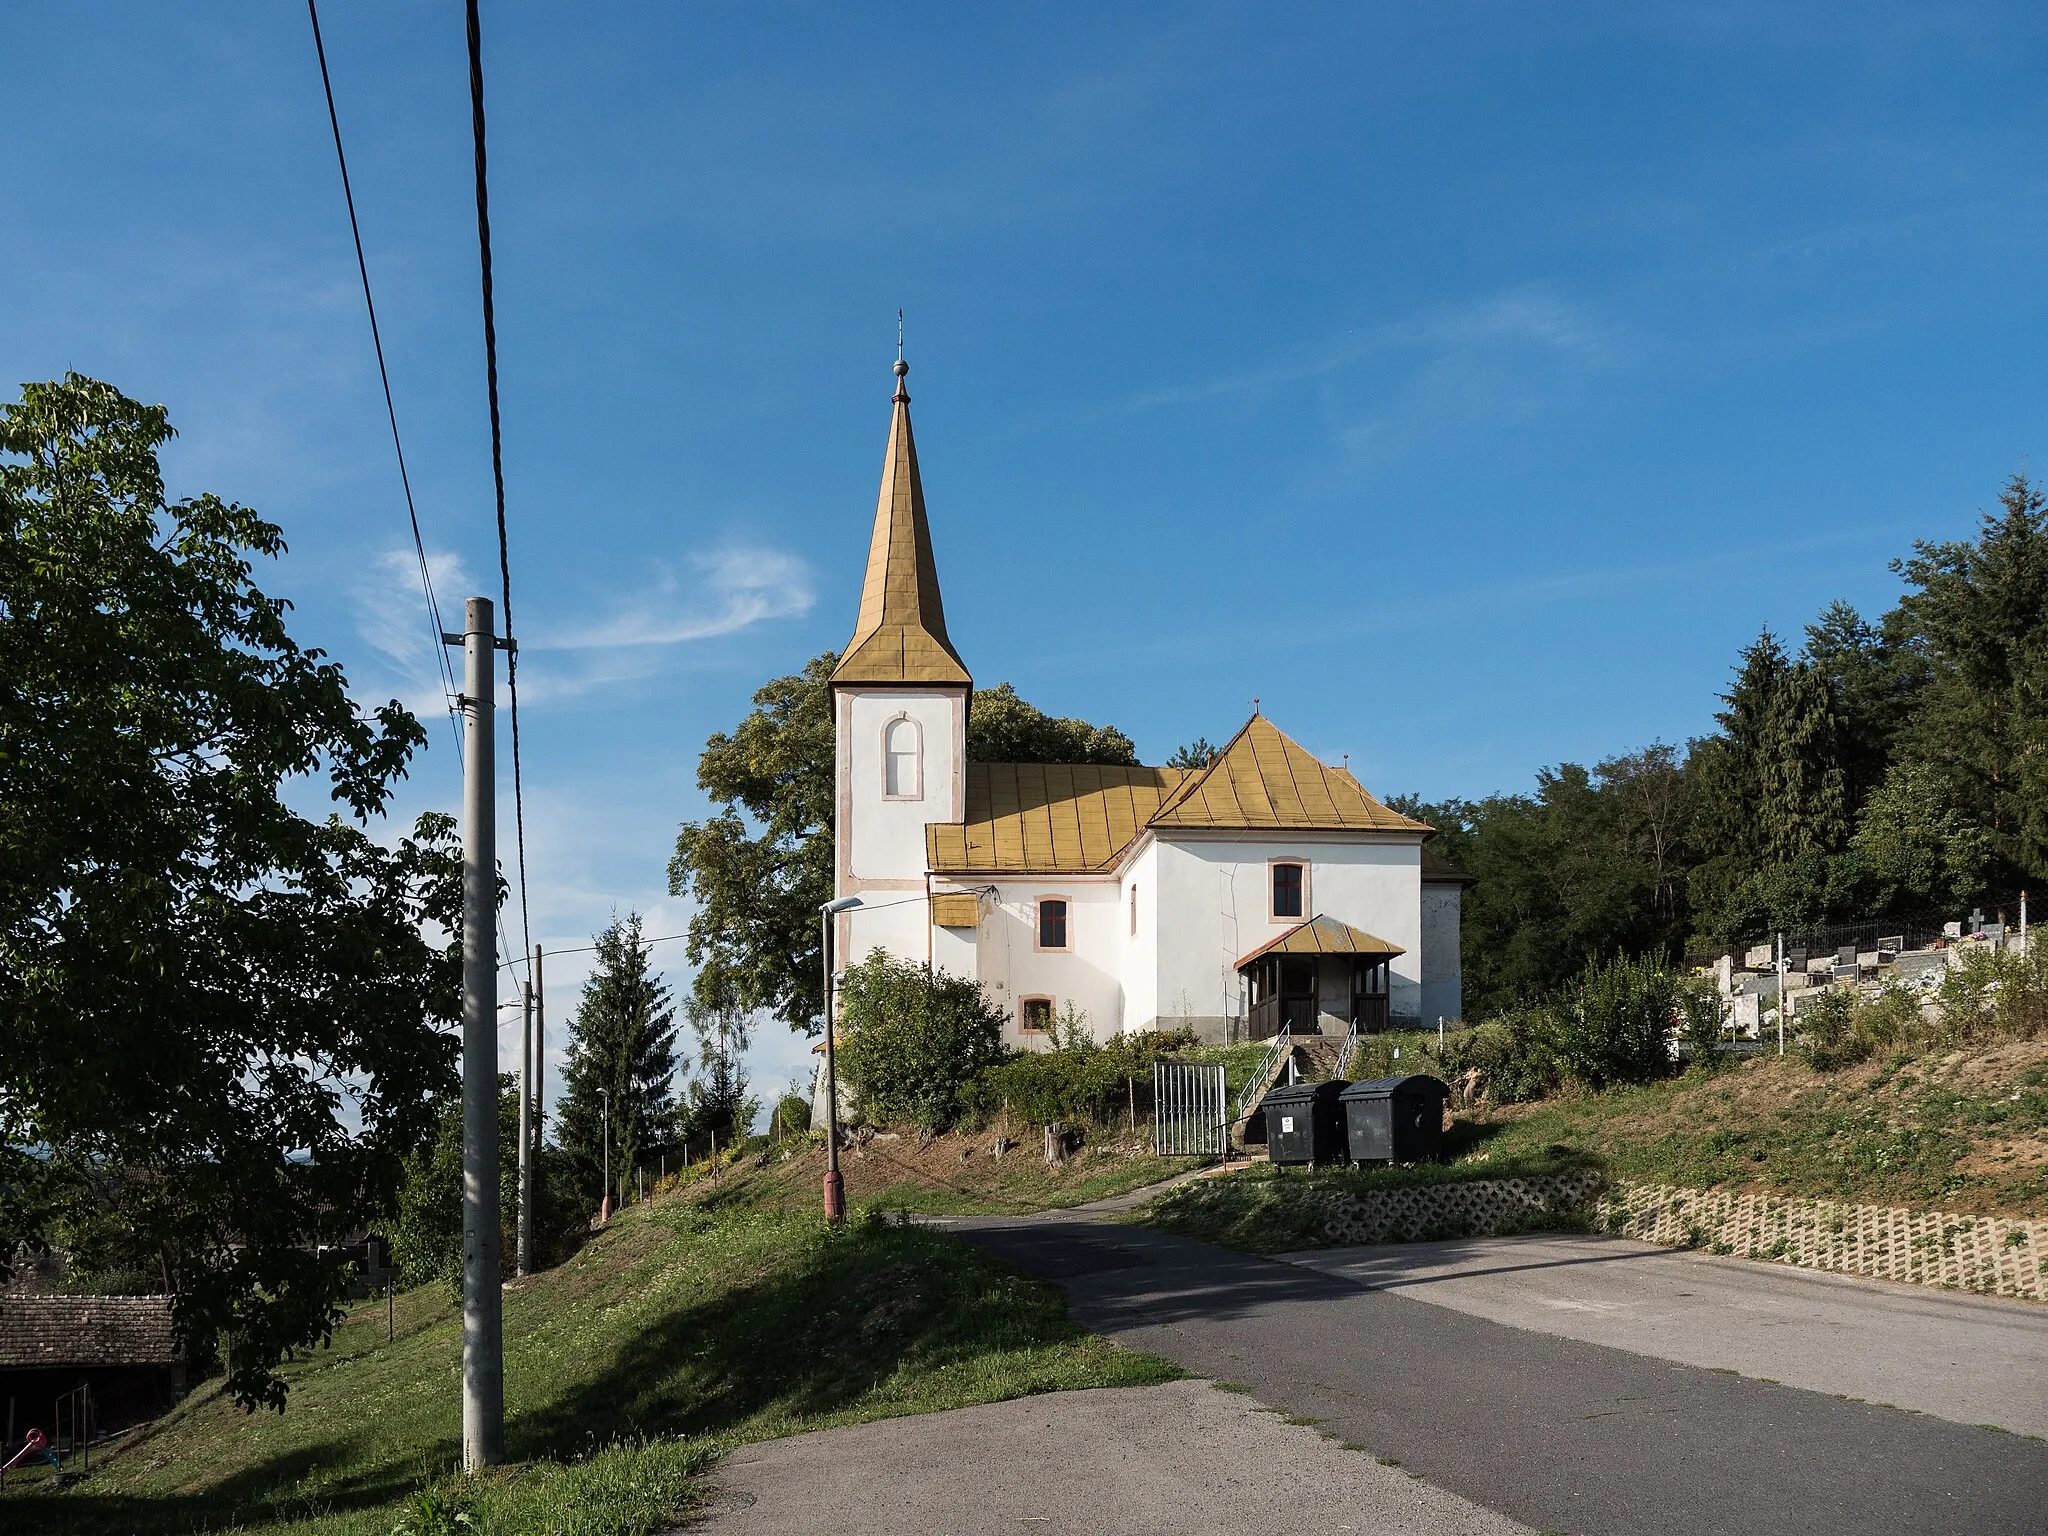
[{"x": 1265, "y": 889}]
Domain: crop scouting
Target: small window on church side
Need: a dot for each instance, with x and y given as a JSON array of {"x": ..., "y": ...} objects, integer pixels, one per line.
[
  {"x": 1289, "y": 883},
  {"x": 900, "y": 761},
  {"x": 1134, "y": 911},
  {"x": 1034, "y": 1015},
  {"x": 1052, "y": 923}
]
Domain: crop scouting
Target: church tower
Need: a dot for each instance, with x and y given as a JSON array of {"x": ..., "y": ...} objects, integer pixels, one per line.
[{"x": 899, "y": 710}]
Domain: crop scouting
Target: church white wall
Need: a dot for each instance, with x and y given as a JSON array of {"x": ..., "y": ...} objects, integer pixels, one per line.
[
  {"x": 1089, "y": 974},
  {"x": 1140, "y": 967},
  {"x": 897, "y": 921},
  {"x": 1442, "y": 957},
  {"x": 883, "y": 837},
  {"x": 954, "y": 951},
  {"x": 1214, "y": 905}
]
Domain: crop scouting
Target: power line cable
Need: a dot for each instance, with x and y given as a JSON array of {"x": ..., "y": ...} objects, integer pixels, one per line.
[
  {"x": 450, "y": 691},
  {"x": 483, "y": 237},
  {"x": 384, "y": 374}
]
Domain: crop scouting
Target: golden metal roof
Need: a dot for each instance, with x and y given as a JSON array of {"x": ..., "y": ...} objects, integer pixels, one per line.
[
  {"x": 1324, "y": 936},
  {"x": 958, "y": 909},
  {"x": 1043, "y": 818},
  {"x": 1262, "y": 779},
  {"x": 1059, "y": 818},
  {"x": 900, "y": 636}
]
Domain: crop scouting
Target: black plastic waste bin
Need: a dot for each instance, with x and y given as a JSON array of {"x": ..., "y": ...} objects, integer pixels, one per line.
[
  {"x": 1395, "y": 1119},
  {"x": 1305, "y": 1122}
]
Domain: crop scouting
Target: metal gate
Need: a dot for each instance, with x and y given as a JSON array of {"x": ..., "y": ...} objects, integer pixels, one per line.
[{"x": 1190, "y": 1115}]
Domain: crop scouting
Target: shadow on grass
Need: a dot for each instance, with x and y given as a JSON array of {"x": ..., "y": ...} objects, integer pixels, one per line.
[
  {"x": 868, "y": 1320},
  {"x": 871, "y": 1316}
]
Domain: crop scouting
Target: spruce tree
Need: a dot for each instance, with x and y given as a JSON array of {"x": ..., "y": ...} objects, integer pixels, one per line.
[
  {"x": 622, "y": 1043},
  {"x": 717, "y": 1105},
  {"x": 1980, "y": 609}
]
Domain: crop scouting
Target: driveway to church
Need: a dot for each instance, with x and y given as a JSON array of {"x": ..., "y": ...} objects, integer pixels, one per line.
[{"x": 1589, "y": 1385}]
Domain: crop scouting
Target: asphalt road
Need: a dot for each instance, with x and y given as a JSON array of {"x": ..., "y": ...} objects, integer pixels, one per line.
[
  {"x": 1559, "y": 1433},
  {"x": 1115, "y": 1462},
  {"x": 1970, "y": 1359}
]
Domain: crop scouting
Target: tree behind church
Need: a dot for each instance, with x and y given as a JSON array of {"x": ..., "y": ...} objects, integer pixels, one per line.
[
  {"x": 622, "y": 1043},
  {"x": 761, "y": 867}
]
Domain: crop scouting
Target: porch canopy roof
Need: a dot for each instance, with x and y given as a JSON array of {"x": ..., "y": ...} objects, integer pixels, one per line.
[{"x": 1324, "y": 936}]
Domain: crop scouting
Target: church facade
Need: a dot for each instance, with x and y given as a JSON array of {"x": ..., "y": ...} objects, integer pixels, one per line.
[{"x": 1265, "y": 889}]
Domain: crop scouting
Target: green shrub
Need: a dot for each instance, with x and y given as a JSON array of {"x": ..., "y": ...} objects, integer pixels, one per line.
[
  {"x": 1699, "y": 1009},
  {"x": 1827, "y": 1031},
  {"x": 914, "y": 1043},
  {"x": 1513, "y": 1053},
  {"x": 1374, "y": 1056},
  {"x": 791, "y": 1115},
  {"x": 1998, "y": 995},
  {"x": 1080, "y": 1080},
  {"x": 1613, "y": 1024}
]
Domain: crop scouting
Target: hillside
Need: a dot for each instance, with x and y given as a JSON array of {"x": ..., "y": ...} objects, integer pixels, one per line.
[
  {"x": 958, "y": 1173},
  {"x": 1963, "y": 1131},
  {"x": 673, "y": 1334}
]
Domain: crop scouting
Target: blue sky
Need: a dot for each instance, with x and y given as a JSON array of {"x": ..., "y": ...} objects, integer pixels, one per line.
[{"x": 1468, "y": 385}]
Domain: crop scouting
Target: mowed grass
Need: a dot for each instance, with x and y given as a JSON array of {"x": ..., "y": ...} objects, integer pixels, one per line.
[
  {"x": 675, "y": 1333},
  {"x": 956, "y": 1174},
  {"x": 1963, "y": 1131}
]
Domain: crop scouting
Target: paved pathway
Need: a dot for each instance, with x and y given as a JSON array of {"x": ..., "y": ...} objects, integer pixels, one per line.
[
  {"x": 1559, "y": 1432},
  {"x": 1969, "y": 1359},
  {"x": 1116, "y": 1462}
]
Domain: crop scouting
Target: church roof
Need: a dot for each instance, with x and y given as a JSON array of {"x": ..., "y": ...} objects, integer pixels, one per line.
[
  {"x": 900, "y": 636},
  {"x": 1323, "y": 936},
  {"x": 1265, "y": 780},
  {"x": 1043, "y": 818},
  {"x": 1060, "y": 818}
]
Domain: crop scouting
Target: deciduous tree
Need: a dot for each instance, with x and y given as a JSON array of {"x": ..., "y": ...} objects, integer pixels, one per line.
[{"x": 216, "y": 1012}]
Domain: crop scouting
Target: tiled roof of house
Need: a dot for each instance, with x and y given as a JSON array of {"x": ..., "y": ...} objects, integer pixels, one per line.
[
  {"x": 85, "y": 1330},
  {"x": 900, "y": 636},
  {"x": 1056, "y": 818},
  {"x": 1323, "y": 936}
]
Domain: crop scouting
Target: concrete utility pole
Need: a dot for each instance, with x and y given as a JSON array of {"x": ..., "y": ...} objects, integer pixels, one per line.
[
  {"x": 483, "y": 1358},
  {"x": 540, "y": 1056},
  {"x": 523, "y": 1260}
]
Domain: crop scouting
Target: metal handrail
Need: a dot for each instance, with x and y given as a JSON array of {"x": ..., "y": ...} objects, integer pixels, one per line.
[
  {"x": 1350, "y": 1045},
  {"x": 1282, "y": 1043}
]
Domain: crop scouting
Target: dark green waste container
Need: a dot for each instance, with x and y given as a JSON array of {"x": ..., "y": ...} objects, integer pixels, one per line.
[
  {"x": 1395, "y": 1119},
  {"x": 1304, "y": 1123}
]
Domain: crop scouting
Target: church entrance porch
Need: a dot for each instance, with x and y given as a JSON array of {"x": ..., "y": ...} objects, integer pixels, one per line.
[{"x": 1322, "y": 975}]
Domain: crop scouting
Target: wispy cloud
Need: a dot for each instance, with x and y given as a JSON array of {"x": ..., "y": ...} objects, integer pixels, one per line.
[
  {"x": 1454, "y": 339},
  {"x": 730, "y": 590},
  {"x": 391, "y": 616}
]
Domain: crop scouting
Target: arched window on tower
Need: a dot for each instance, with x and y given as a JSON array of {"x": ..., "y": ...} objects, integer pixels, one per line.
[{"x": 900, "y": 765}]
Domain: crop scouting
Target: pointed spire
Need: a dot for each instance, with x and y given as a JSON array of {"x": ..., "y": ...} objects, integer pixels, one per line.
[{"x": 900, "y": 636}]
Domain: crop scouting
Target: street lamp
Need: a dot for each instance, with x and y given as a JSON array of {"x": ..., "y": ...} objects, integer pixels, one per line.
[
  {"x": 835, "y": 1187},
  {"x": 604, "y": 1211}
]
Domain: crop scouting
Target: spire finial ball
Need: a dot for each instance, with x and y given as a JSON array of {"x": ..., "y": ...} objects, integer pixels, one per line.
[{"x": 901, "y": 367}]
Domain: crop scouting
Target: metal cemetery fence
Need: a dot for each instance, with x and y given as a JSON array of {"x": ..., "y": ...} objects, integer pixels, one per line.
[{"x": 1190, "y": 1112}]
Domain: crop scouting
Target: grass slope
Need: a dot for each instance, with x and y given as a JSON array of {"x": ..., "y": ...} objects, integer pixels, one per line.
[
  {"x": 674, "y": 1333},
  {"x": 1965, "y": 1131},
  {"x": 951, "y": 1175}
]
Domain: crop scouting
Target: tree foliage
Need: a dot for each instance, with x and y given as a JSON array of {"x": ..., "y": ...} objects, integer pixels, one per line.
[
  {"x": 1002, "y": 728},
  {"x": 1891, "y": 768},
  {"x": 220, "y": 1015},
  {"x": 619, "y": 1079}
]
